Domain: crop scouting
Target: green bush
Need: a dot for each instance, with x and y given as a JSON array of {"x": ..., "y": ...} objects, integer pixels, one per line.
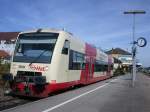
[
  {"x": 4, "y": 68},
  {"x": 119, "y": 71}
]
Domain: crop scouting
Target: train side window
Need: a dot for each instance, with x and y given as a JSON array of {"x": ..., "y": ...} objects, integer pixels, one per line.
[
  {"x": 66, "y": 47},
  {"x": 76, "y": 60},
  {"x": 100, "y": 67},
  {"x": 111, "y": 67}
]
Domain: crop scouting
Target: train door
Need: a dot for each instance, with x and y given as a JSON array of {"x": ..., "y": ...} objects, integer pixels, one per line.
[
  {"x": 90, "y": 53},
  {"x": 89, "y": 74},
  {"x": 90, "y": 68}
]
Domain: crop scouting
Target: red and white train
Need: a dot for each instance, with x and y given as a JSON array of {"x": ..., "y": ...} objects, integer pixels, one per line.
[{"x": 46, "y": 61}]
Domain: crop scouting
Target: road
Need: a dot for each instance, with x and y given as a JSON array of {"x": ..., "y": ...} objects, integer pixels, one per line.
[{"x": 113, "y": 95}]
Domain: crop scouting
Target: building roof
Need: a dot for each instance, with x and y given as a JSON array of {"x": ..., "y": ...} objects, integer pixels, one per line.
[
  {"x": 118, "y": 51},
  {"x": 8, "y": 35},
  {"x": 4, "y": 54}
]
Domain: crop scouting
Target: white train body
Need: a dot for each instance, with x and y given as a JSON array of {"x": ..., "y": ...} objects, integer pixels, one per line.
[{"x": 46, "y": 61}]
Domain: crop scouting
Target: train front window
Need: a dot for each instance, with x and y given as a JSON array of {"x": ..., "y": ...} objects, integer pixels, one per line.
[{"x": 35, "y": 46}]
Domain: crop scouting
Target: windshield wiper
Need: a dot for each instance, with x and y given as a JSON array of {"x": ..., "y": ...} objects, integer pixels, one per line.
[{"x": 37, "y": 57}]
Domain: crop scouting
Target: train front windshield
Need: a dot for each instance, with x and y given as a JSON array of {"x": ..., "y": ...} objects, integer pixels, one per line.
[{"x": 35, "y": 47}]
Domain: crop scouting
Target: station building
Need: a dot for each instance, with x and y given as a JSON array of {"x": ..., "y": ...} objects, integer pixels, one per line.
[{"x": 124, "y": 56}]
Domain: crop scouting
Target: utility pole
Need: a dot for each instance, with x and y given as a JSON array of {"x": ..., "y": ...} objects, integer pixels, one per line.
[{"x": 134, "y": 12}]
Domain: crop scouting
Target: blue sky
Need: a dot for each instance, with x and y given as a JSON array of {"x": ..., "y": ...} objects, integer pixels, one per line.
[{"x": 99, "y": 22}]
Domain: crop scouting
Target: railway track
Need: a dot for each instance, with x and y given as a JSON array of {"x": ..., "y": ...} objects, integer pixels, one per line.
[{"x": 12, "y": 102}]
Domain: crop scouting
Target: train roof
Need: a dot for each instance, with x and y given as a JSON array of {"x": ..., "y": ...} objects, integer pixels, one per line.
[
  {"x": 55, "y": 31},
  {"x": 46, "y": 30}
]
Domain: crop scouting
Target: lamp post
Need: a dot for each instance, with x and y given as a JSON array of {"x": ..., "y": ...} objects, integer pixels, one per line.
[{"x": 134, "y": 12}]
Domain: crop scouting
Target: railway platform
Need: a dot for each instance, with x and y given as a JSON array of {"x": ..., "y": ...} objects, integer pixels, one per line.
[{"x": 112, "y": 95}]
